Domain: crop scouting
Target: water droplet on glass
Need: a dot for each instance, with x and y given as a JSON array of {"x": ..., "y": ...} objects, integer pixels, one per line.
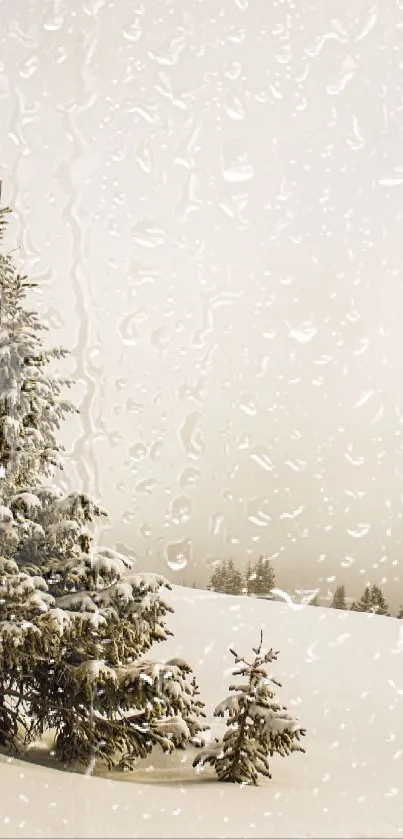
[
  {"x": 262, "y": 457},
  {"x": 169, "y": 52},
  {"x": 248, "y": 404},
  {"x": 189, "y": 477},
  {"x": 181, "y": 509},
  {"x": 191, "y": 436},
  {"x": 361, "y": 530},
  {"x": 243, "y": 441},
  {"x": 147, "y": 234},
  {"x": 234, "y": 107},
  {"x": 127, "y": 329},
  {"x": 137, "y": 451},
  {"x": 178, "y": 554},
  {"x": 146, "y": 486},
  {"x": 303, "y": 333},
  {"x": 236, "y": 164},
  {"x": 133, "y": 31},
  {"x": 146, "y": 530},
  {"x": 296, "y": 465},
  {"x": 155, "y": 450},
  {"x": 347, "y": 72},
  {"x": 144, "y": 157},
  {"x": 258, "y": 512}
]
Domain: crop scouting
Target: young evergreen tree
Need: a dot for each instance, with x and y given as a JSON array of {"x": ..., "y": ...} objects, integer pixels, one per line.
[
  {"x": 75, "y": 623},
  {"x": 339, "y": 598},
  {"x": 400, "y": 613},
  {"x": 258, "y": 726}
]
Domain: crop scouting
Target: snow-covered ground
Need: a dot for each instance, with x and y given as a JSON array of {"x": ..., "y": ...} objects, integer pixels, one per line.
[{"x": 342, "y": 675}]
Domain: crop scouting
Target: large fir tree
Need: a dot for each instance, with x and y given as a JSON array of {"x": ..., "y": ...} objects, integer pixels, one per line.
[
  {"x": 258, "y": 726},
  {"x": 75, "y": 624}
]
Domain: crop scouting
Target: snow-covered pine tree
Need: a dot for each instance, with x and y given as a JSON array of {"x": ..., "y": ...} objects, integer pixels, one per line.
[
  {"x": 26, "y": 634},
  {"x": 104, "y": 698},
  {"x": 258, "y": 726},
  {"x": 194, "y": 714},
  {"x": 23, "y": 639},
  {"x": 75, "y": 624},
  {"x": 400, "y": 612},
  {"x": 339, "y": 598},
  {"x": 31, "y": 405}
]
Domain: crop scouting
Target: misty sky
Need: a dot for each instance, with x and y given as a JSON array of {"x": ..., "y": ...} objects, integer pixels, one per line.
[{"x": 209, "y": 195}]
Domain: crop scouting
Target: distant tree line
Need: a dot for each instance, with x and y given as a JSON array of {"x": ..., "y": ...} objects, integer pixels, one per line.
[
  {"x": 371, "y": 600},
  {"x": 259, "y": 580}
]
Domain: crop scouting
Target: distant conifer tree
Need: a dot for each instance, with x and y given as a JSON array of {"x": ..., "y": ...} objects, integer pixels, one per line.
[
  {"x": 226, "y": 578},
  {"x": 261, "y": 578},
  {"x": 339, "y": 598},
  {"x": 364, "y": 604},
  {"x": 372, "y": 600}
]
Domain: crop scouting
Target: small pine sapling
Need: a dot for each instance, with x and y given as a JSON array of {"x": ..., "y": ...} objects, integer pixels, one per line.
[{"x": 258, "y": 726}]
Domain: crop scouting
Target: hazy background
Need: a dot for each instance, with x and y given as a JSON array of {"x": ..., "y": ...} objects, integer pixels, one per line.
[{"x": 210, "y": 197}]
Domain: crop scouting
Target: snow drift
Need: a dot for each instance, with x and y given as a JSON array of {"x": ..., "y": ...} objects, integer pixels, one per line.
[{"x": 341, "y": 675}]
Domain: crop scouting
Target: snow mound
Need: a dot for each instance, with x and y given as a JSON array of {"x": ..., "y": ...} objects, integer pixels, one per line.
[{"x": 341, "y": 675}]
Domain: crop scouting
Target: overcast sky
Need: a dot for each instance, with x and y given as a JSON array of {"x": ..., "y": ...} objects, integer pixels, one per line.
[{"x": 210, "y": 196}]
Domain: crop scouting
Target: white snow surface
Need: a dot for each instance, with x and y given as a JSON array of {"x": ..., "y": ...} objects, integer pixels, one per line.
[{"x": 342, "y": 676}]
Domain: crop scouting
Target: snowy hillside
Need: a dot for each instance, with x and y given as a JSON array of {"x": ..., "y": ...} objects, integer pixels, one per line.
[{"x": 342, "y": 676}]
